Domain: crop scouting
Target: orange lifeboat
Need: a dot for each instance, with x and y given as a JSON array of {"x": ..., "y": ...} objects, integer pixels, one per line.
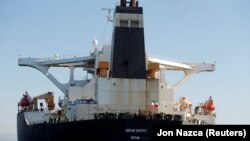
[
  {"x": 24, "y": 102},
  {"x": 209, "y": 105}
]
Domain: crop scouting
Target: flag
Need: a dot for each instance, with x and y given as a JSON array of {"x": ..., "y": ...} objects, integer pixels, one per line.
[{"x": 154, "y": 104}]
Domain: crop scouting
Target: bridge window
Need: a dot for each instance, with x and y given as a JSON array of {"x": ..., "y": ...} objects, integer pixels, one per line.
[
  {"x": 134, "y": 23},
  {"x": 124, "y": 23}
]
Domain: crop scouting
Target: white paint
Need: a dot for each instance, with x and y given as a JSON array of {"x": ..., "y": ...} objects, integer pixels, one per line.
[
  {"x": 122, "y": 94},
  {"x": 86, "y": 92}
]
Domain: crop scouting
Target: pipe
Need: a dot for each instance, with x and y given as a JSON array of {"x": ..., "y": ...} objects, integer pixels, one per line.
[{"x": 133, "y": 3}]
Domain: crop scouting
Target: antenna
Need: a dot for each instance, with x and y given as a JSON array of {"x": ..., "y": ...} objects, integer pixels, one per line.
[{"x": 109, "y": 18}]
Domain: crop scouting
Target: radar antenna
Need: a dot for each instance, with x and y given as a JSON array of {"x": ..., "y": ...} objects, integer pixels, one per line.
[{"x": 109, "y": 18}]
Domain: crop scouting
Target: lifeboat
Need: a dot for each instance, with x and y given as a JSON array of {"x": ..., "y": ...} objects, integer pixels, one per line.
[
  {"x": 209, "y": 105},
  {"x": 24, "y": 102}
]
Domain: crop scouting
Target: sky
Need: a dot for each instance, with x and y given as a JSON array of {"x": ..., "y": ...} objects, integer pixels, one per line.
[{"x": 193, "y": 31}]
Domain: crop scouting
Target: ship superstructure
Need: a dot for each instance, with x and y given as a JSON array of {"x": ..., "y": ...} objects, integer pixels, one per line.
[{"x": 125, "y": 85}]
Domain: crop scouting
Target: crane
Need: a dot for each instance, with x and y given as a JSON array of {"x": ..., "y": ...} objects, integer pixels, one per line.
[{"x": 49, "y": 99}]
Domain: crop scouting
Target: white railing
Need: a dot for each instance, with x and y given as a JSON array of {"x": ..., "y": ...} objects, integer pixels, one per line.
[{"x": 44, "y": 59}]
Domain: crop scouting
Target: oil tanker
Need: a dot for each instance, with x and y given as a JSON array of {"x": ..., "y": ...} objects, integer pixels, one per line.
[{"x": 123, "y": 97}]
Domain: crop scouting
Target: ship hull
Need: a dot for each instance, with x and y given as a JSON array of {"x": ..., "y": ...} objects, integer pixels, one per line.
[{"x": 99, "y": 130}]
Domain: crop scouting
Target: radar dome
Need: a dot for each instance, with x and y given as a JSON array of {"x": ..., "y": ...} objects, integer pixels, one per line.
[
  {"x": 56, "y": 55},
  {"x": 94, "y": 43}
]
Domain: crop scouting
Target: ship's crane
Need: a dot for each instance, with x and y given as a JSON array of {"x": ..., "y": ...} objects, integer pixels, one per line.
[
  {"x": 185, "y": 104},
  {"x": 49, "y": 99}
]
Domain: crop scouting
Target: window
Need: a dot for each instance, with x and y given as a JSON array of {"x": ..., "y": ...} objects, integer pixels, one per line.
[
  {"x": 134, "y": 23},
  {"x": 123, "y": 23}
]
